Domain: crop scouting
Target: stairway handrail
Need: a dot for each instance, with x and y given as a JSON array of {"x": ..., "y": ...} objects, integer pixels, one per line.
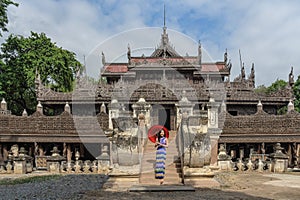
[{"x": 181, "y": 150}]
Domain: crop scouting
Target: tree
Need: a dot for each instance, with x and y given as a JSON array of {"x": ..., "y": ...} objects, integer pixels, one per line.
[
  {"x": 3, "y": 14},
  {"x": 22, "y": 57},
  {"x": 276, "y": 86},
  {"x": 261, "y": 89},
  {"x": 296, "y": 89}
]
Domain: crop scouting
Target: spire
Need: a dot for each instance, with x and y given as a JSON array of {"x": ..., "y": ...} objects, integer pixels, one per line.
[
  {"x": 164, "y": 37},
  {"x": 129, "y": 54},
  {"x": 103, "y": 58},
  {"x": 225, "y": 56},
  {"x": 165, "y": 49},
  {"x": 164, "y": 15},
  {"x": 291, "y": 78}
]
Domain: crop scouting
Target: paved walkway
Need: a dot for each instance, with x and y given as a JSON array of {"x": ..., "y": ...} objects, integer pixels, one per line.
[{"x": 285, "y": 180}]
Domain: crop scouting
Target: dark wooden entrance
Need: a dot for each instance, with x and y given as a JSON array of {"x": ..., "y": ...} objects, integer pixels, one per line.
[{"x": 164, "y": 118}]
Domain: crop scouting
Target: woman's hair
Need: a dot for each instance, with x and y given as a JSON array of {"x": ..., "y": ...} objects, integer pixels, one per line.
[{"x": 158, "y": 134}]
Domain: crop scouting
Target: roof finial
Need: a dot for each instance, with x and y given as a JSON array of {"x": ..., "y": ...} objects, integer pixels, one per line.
[{"x": 165, "y": 39}]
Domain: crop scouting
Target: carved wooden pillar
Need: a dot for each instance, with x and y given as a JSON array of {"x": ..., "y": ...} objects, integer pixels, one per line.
[
  {"x": 81, "y": 150},
  {"x": 30, "y": 151},
  {"x": 1, "y": 157},
  {"x": 290, "y": 154},
  {"x": 69, "y": 153},
  {"x": 258, "y": 148},
  {"x": 298, "y": 154},
  {"x": 64, "y": 149},
  {"x": 41, "y": 151},
  {"x": 5, "y": 153}
]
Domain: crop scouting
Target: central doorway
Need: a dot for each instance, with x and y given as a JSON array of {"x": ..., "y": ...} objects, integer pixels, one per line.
[{"x": 164, "y": 118}]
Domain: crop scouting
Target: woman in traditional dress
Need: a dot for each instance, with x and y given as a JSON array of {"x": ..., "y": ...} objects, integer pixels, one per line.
[{"x": 161, "y": 144}]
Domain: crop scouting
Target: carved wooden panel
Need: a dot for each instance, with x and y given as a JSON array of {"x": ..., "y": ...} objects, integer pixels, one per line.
[{"x": 41, "y": 162}]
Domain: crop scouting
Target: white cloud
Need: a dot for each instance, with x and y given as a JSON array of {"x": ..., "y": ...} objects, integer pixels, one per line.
[
  {"x": 266, "y": 31},
  {"x": 268, "y": 35}
]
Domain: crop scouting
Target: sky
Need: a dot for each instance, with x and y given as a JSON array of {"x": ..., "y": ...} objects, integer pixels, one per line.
[{"x": 267, "y": 33}]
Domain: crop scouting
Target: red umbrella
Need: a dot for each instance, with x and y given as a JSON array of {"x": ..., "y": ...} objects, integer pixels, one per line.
[{"x": 152, "y": 133}]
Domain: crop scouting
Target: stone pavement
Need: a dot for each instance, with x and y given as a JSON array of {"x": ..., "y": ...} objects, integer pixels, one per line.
[
  {"x": 285, "y": 180},
  {"x": 161, "y": 188}
]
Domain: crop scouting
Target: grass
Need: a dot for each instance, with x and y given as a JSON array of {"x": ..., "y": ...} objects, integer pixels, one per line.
[{"x": 32, "y": 179}]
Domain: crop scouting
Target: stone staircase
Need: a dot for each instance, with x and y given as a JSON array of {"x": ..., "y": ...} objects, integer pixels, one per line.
[{"x": 173, "y": 169}]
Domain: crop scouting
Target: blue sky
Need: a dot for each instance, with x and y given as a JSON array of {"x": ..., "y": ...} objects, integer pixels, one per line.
[{"x": 266, "y": 32}]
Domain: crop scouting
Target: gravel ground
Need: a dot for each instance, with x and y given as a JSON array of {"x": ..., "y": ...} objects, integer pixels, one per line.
[
  {"x": 232, "y": 186},
  {"x": 64, "y": 187}
]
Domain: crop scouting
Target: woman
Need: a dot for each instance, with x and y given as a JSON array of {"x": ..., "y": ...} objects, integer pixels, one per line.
[{"x": 161, "y": 144}]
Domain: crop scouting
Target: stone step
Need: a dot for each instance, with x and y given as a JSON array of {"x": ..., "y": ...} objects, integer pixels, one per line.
[
  {"x": 161, "y": 188},
  {"x": 173, "y": 171}
]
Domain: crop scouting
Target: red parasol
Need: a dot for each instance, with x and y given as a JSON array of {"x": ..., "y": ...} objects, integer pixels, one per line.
[{"x": 152, "y": 133}]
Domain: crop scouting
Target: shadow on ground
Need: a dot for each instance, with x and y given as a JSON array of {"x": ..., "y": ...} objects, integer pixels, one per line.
[{"x": 198, "y": 194}]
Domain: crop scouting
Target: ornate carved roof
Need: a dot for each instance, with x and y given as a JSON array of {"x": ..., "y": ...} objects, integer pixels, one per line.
[
  {"x": 64, "y": 126},
  {"x": 165, "y": 49},
  {"x": 261, "y": 123}
]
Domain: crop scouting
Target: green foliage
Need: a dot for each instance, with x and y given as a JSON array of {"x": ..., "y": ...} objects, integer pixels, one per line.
[
  {"x": 22, "y": 57},
  {"x": 296, "y": 89},
  {"x": 3, "y": 14},
  {"x": 261, "y": 89},
  {"x": 276, "y": 86}
]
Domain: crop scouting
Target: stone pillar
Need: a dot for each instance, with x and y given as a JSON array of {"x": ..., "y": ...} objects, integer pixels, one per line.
[
  {"x": 279, "y": 159},
  {"x": 141, "y": 106},
  {"x": 113, "y": 112},
  {"x": 142, "y": 133},
  {"x": 213, "y": 129},
  {"x": 184, "y": 109},
  {"x": 214, "y": 149},
  {"x": 224, "y": 160},
  {"x": 20, "y": 162},
  {"x": 104, "y": 161},
  {"x": 54, "y": 162},
  {"x": 213, "y": 113}
]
